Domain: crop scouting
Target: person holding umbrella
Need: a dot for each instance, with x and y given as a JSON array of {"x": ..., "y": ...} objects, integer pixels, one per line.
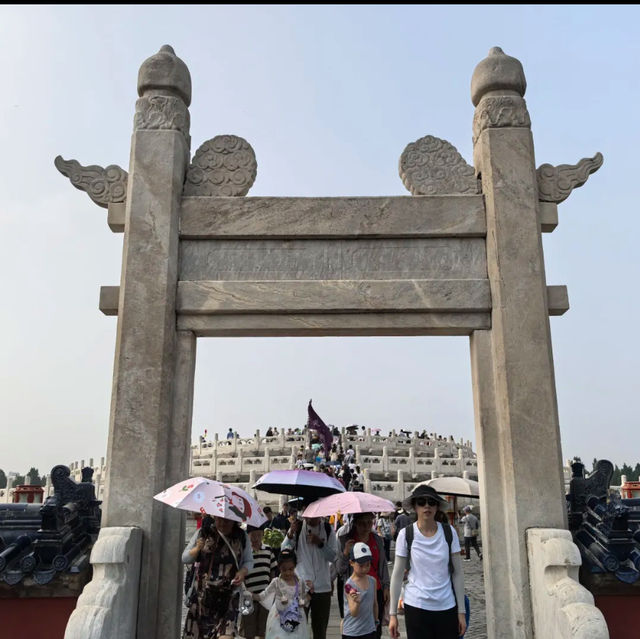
[
  {"x": 220, "y": 551},
  {"x": 223, "y": 558}
]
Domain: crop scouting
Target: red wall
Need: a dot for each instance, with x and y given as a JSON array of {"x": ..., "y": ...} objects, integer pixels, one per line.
[
  {"x": 621, "y": 614},
  {"x": 35, "y": 618}
]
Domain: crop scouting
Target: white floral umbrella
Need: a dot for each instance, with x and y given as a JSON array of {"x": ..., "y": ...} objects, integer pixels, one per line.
[{"x": 211, "y": 497}]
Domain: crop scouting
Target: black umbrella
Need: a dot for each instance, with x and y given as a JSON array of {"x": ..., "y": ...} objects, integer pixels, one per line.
[{"x": 299, "y": 483}]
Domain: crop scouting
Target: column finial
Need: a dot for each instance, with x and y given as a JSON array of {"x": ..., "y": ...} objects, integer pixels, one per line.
[
  {"x": 165, "y": 72},
  {"x": 497, "y": 72},
  {"x": 497, "y": 89}
]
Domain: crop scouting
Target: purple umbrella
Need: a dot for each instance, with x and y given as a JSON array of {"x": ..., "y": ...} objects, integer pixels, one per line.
[{"x": 299, "y": 483}]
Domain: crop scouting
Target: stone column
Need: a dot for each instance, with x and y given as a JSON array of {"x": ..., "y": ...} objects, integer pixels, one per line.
[
  {"x": 520, "y": 462},
  {"x": 146, "y": 424}
]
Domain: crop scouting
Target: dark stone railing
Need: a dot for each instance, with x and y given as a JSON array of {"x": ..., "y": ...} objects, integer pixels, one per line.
[
  {"x": 605, "y": 528},
  {"x": 43, "y": 541}
]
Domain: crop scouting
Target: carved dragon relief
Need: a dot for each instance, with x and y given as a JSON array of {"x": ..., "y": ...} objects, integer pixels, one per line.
[
  {"x": 555, "y": 183},
  {"x": 223, "y": 166},
  {"x": 432, "y": 166},
  {"x": 104, "y": 186}
]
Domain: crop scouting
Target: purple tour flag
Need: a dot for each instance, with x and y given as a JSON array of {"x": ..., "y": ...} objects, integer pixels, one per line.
[{"x": 314, "y": 422}]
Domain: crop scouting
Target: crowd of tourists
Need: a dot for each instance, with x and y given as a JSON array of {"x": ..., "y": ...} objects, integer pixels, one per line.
[{"x": 276, "y": 590}]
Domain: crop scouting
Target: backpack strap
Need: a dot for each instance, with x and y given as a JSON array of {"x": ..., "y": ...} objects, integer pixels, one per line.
[
  {"x": 409, "y": 539},
  {"x": 448, "y": 535}
]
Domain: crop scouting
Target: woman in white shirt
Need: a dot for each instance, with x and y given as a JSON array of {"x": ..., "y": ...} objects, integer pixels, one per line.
[{"x": 433, "y": 596}]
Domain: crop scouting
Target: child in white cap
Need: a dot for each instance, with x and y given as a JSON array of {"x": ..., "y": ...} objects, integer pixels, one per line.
[{"x": 361, "y": 615}]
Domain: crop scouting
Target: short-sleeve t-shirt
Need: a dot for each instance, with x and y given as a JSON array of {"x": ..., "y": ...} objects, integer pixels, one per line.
[{"x": 429, "y": 583}]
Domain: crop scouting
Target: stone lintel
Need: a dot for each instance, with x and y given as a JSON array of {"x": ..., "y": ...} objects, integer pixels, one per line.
[
  {"x": 115, "y": 216},
  {"x": 557, "y": 300},
  {"x": 548, "y": 215},
  {"x": 333, "y": 296},
  {"x": 109, "y": 299},
  {"x": 332, "y": 217},
  {"x": 379, "y": 323},
  {"x": 334, "y": 324}
]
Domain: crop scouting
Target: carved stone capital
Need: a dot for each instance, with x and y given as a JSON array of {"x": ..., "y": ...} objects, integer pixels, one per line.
[
  {"x": 223, "y": 166},
  {"x": 432, "y": 166},
  {"x": 555, "y": 183},
  {"x": 104, "y": 186},
  {"x": 497, "y": 111},
  {"x": 162, "y": 112}
]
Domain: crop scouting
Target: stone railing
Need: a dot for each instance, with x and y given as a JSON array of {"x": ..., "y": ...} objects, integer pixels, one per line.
[
  {"x": 562, "y": 607},
  {"x": 241, "y": 464},
  {"x": 420, "y": 463}
]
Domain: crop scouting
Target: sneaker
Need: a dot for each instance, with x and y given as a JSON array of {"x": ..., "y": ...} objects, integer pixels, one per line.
[{"x": 466, "y": 560}]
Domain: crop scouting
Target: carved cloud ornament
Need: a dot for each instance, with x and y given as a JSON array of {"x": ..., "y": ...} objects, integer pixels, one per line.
[
  {"x": 223, "y": 166},
  {"x": 104, "y": 186},
  {"x": 555, "y": 183},
  {"x": 431, "y": 166}
]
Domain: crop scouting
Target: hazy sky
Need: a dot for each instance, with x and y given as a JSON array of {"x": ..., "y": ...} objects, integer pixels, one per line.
[{"x": 328, "y": 97}]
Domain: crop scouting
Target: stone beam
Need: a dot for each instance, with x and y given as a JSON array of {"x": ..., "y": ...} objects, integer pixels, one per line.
[
  {"x": 339, "y": 259},
  {"x": 334, "y": 324},
  {"x": 309, "y": 324},
  {"x": 557, "y": 300},
  {"x": 333, "y": 296},
  {"x": 324, "y": 217}
]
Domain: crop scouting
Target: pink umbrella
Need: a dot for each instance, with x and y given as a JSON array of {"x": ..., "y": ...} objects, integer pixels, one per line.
[
  {"x": 348, "y": 503},
  {"x": 211, "y": 497}
]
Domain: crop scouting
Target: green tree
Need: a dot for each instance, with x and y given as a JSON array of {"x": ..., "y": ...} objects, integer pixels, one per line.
[
  {"x": 636, "y": 473},
  {"x": 616, "y": 477},
  {"x": 3, "y": 479},
  {"x": 626, "y": 470},
  {"x": 34, "y": 476},
  {"x": 18, "y": 479}
]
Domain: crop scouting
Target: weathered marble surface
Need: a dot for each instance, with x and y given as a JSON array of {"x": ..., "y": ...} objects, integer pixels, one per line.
[
  {"x": 223, "y": 166},
  {"x": 271, "y": 217},
  {"x": 384, "y": 259},
  {"x": 108, "y": 604},
  {"x": 514, "y": 386},
  {"x": 327, "y": 296},
  {"x": 103, "y": 185},
  {"x": 433, "y": 166},
  {"x": 557, "y": 299},
  {"x": 555, "y": 183},
  {"x": 334, "y": 324},
  {"x": 562, "y": 607}
]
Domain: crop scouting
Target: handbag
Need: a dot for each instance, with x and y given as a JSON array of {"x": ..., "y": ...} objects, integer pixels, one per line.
[{"x": 246, "y": 598}]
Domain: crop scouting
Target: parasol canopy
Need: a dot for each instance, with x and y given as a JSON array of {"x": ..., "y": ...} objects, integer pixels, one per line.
[
  {"x": 298, "y": 483},
  {"x": 457, "y": 486},
  {"x": 348, "y": 503},
  {"x": 207, "y": 496}
]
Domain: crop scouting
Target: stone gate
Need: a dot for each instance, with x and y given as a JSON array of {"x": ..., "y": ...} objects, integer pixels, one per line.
[{"x": 461, "y": 256}]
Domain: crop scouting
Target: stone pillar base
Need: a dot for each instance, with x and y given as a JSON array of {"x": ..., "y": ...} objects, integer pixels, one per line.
[
  {"x": 562, "y": 607},
  {"x": 108, "y": 605}
]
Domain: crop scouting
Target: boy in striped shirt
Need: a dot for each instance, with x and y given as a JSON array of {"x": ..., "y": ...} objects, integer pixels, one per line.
[{"x": 263, "y": 571}]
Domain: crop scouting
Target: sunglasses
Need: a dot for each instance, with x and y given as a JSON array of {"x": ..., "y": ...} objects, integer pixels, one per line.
[{"x": 426, "y": 501}]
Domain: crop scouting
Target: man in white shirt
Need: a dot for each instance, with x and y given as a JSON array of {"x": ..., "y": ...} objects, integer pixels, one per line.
[{"x": 314, "y": 542}]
